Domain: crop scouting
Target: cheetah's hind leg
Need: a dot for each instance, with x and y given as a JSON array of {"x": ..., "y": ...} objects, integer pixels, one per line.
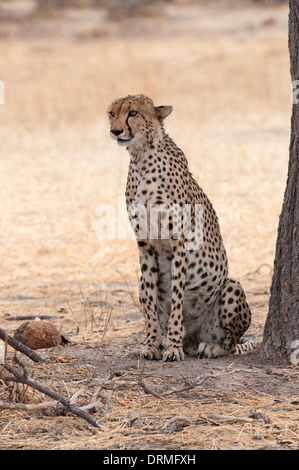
[{"x": 234, "y": 320}]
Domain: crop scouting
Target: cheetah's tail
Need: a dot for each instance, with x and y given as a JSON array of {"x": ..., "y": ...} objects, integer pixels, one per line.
[{"x": 245, "y": 345}]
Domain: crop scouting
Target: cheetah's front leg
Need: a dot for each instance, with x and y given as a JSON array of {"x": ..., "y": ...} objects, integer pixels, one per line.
[
  {"x": 174, "y": 342},
  {"x": 148, "y": 300}
]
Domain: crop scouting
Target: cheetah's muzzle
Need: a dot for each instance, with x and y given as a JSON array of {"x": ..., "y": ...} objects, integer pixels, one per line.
[{"x": 124, "y": 141}]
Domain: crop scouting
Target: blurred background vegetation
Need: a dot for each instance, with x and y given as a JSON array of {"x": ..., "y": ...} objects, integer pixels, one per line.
[
  {"x": 98, "y": 18},
  {"x": 11, "y": 9}
]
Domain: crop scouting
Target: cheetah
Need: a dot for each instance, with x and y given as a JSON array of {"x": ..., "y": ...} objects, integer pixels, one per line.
[{"x": 190, "y": 304}]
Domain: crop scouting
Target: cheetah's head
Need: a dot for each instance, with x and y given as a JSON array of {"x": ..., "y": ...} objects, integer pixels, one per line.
[{"x": 134, "y": 120}]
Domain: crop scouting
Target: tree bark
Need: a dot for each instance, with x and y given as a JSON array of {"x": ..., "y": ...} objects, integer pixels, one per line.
[{"x": 282, "y": 325}]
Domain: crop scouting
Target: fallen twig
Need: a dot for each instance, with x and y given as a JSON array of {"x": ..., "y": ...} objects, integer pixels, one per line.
[
  {"x": 30, "y": 317},
  {"x": 257, "y": 270},
  {"x": 149, "y": 389},
  {"x": 187, "y": 386},
  {"x": 28, "y": 406},
  {"x": 23, "y": 377}
]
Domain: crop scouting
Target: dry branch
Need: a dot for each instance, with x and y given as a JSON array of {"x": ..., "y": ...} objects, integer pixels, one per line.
[
  {"x": 149, "y": 389},
  {"x": 67, "y": 405},
  {"x": 28, "y": 406},
  {"x": 184, "y": 388}
]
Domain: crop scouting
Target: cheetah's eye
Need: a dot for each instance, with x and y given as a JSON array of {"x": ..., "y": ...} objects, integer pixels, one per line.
[
  {"x": 133, "y": 113},
  {"x": 111, "y": 114}
]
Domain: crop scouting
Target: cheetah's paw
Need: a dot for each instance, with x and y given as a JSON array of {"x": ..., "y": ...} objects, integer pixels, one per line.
[
  {"x": 210, "y": 350},
  {"x": 151, "y": 353},
  {"x": 173, "y": 353}
]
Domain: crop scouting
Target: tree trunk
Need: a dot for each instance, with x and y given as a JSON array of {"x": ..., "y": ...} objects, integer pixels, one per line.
[{"x": 281, "y": 334}]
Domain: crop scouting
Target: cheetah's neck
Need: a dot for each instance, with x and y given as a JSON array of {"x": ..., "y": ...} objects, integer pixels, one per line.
[{"x": 161, "y": 148}]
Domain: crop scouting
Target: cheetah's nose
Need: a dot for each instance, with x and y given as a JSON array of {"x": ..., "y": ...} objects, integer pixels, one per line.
[{"x": 116, "y": 132}]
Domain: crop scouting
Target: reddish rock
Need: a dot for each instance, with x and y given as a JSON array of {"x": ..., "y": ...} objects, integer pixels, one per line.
[{"x": 38, "y": 334}]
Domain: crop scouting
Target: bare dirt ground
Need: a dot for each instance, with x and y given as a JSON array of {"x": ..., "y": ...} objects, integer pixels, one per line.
[{"x": 226, "y": 72}]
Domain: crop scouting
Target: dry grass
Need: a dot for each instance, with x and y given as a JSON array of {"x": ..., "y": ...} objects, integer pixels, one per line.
[
  {"x": 203, "y": 417},
  {"x": 227, "y": 77}
]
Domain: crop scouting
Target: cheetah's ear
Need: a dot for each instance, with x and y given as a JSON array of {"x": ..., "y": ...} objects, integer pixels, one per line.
[{"x": 163, "y": 111}]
